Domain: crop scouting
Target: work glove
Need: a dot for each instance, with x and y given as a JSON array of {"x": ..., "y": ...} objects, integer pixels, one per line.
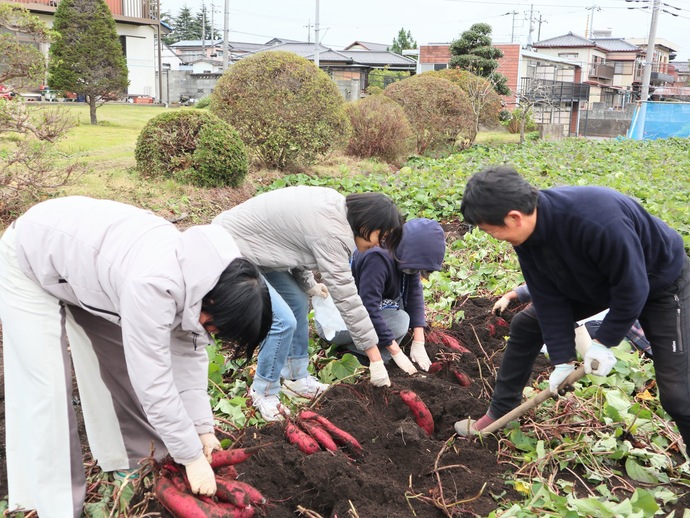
[
  {"x": 378, "y": 374},
  {"x": 603, "y": 355},
  {"x": 318, "y": 290},
  {"x": 501, "y": 305},
  {"x": 402, "y": 361},
  {"x": 418, "y": 354},
  {"x": 210, "y": 443},
  {"x": 201, "y": 478},
  {"x": 559, "y": 375}
]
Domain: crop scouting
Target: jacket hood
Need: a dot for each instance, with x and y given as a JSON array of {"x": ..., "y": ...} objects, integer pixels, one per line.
[
  {"x": 423, "y": 245},
  {"x": 203, "y": 253}
]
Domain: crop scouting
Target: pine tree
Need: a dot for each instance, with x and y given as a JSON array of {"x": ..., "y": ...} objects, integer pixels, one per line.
[
  {"x": 473, "y": 52},
  {"x": 185, "y": 26},
  {"x": 88, "y": 58},
  {"x": 403, "y": 41}
]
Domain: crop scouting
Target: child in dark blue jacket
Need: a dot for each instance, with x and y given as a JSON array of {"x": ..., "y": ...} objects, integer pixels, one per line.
[{"x": 391, "y": 289}]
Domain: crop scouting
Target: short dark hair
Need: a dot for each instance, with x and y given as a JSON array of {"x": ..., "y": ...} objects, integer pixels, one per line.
[
  {"x": 240, "y": 306},
  {"x": 371, "y": 211},
  {"x": 492, "y": 193}
]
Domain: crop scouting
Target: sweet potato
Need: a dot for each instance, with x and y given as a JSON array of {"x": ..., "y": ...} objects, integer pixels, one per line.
[
  {"x": 339, "y": 435},
  {"x": 229, "y": 491},
  {"x": 304, "y": 442},
  {"x": 228, "y": 472},
  {"x": 463, "y": 379},
  {"x": 435, "y": 367},
  {"x": 182, "y": 504},
  {"x": 319, "y": 433},
  {"x": 255, "y": 496},
  {"x": 439, "y": 337},
  {"x": 500, "y": 321},
  {"x": 237, "y": 512},
  {"x": 419, "y": 409},
  {"x": 232, "y": 456}
]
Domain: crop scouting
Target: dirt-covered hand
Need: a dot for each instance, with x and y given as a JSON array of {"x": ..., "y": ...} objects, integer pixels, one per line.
[
  {"x": 210, "y": 443},
  {"x": 559, "y": 375},
  {"x": 201, "y": 478},
  {"x": 378, "y": 375},
  {"x": 318, "y": 290},
  {"x": 419, "y": 355},
  {"x": 602, "y": 354},
  {"x": 402, "y": 361},
  {"x": 501, "y": 305}
]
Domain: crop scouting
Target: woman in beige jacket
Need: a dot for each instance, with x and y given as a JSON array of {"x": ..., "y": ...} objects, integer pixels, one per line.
[{"x": 289, "y": 233}]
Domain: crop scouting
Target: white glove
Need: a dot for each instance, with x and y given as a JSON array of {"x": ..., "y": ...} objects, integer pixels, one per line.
[
  {"x": 210, "y": 443},
  {"x": 402, "y": 361},
  {"x": 501, "y": 305},
  {"x": 603, "y": 355},
  {"x": 418, "y": 354},
  {"x": 319, "y": 290},
  {"x": 378, "y": 374},
  {"x": 201, "y": 478},
  {"x": 559, "y": 375}
]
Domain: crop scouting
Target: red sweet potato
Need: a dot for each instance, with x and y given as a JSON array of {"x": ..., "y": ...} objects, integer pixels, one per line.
[
  {"x": 419, "y": 409},
  {"x": 304, "y": 442},
  {"x": 182, "y": 504},
  {"x": 439, "y": 337},
  {"x": 237, "y": 512},
  {"x": 435, "y": 367},
  {"x": 339, "y": 435},
  {"x": 228, "y": 472},
  {"x": 319, "y": 433},
  {"x": 229, "y": 491},
  {"x": 255, "y": 496},
  {"x": 463, "y": 379},
  {"x": 500, "y": 321},
  {"x": 232, "y": 456}
]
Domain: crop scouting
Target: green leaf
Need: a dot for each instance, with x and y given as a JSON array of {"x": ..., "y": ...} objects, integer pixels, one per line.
[{"x": 640, "y": 473}]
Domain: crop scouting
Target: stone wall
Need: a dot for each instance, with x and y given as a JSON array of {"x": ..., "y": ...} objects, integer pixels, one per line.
[
  {"x": 181, "y": 84},
  {"x": 604, "y": 122}
]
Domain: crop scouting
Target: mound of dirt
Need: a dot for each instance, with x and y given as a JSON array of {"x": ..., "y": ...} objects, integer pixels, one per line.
[{"x": 402, "y": 471}]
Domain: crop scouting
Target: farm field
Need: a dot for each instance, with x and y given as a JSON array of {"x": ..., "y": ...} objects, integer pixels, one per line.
[{"x": 607, "y": 449}]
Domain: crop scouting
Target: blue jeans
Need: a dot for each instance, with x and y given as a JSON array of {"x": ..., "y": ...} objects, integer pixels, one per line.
[{"x": 284, "y": 351}]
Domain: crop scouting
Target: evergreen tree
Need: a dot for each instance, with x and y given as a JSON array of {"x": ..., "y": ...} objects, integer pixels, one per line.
[
  {"x": 403, "y": 41},
  {"x": 473, "y": 52},
  {"x": 202, "y": 25},
  {"x": 87, "y": 59},
  {"x": 185, "y": 26}
]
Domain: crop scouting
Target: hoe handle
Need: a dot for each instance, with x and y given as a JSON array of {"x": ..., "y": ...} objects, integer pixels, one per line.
[{"x": 534, "y": 401}]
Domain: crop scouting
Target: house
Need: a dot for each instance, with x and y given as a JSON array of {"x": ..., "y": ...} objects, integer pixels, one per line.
[
  {"x": 365, "y": 45},
  {"x": 137, "y": 26},
  {"x": 349, "y": 68},
  {"x": 194, "y": 50}
]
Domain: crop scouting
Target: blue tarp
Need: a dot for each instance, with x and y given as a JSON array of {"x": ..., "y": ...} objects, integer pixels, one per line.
[{"x": 655, "y": 120}]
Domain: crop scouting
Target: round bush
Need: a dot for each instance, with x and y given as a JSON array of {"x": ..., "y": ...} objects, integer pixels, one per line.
[
  {"x": 439, "y": 112},
  {"x": 288, "y": 111},
  {"x": 191, "y": 146},
  {"x": 379, "y": 129},
  {"x": 486, "y": 103}
]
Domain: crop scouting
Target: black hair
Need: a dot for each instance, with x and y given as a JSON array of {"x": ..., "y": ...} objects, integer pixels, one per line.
[
  {"x": 240, "y": 306},
  {"x": 492, "y": 193},
  {"x": 368, "y": 212}
]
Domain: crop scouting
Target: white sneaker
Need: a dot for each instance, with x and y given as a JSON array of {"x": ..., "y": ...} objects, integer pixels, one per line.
[
  {"x": 308, "y": 387},
  {"x": 270, "y": 407}
]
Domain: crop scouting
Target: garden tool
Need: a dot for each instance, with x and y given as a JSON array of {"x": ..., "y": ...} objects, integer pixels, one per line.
[{"x": 532, "y": 402}]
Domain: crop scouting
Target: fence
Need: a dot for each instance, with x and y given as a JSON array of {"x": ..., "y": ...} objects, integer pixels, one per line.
[{"x": 655, "y": 120}]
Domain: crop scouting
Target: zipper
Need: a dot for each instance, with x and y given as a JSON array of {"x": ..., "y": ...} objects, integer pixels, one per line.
[
  {"x": 99, "y": 310},
  {"x": 678, "y": 344}
]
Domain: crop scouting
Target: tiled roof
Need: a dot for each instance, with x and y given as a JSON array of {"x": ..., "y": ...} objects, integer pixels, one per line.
[
  {"x": 616, "y": 45},
  {"x": 376, "y": 47},
  {"x": 246, "y": 47},
  {"x": 367, "y": 57},
  {"x": 196, "y": 43},
  {"x": 567, "y": 40},
  {"x": 306, "y": 50}
]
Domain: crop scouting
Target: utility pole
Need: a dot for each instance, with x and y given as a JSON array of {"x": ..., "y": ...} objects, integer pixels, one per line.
[
  {"x": 512, "y": 30},
  {"x": 531, "y": 26},
  {"x": 591, "y": 19},
  {"x": 159, "y": 44},
  {"x": 316, "y": 36},
  {"x": 540, "y": 21},
  {"x": 649, "y": 58},
  {"x": 308, "y": 27},
  {"x": 226, "y": 31}
]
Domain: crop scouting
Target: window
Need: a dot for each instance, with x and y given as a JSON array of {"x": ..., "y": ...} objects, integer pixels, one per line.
[
  {"x": 568, "y": 55},
  {"x": 623, "y": 67},
  {"x": 440, "y": 66}
]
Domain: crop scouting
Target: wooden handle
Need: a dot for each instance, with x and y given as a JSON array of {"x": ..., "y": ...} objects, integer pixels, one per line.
[{"x": 534, "y": 401}]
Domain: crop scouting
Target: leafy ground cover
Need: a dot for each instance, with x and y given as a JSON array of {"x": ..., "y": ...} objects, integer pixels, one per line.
[{"x": 607, "y": 449}]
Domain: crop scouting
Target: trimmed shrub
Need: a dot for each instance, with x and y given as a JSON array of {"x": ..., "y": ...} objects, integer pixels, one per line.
[
  {"x": 204, "y": 102},
  {"x": 191, "y": 146},
  {"x": 514, "y": 119},
  {"x": 287, "y": 111},
  {"x": 379, "y": 129},
  {"x": 486, "y": 103},
  {"x": 439, "y": 112}
]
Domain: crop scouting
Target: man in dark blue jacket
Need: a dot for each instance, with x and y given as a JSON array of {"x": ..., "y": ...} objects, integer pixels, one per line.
[
  {"x": 581, "y": 250},
  {"x": 391, "y": 289}
]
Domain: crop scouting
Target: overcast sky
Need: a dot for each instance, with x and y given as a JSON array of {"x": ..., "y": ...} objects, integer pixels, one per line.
[{"x": 439, "y": 21}]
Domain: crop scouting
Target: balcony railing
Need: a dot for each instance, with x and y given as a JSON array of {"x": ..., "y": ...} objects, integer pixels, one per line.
[
  {"x": 600, "y": 71},
  {"x": 553, "y": 91},
  {"x": 123, "y": 10}
]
